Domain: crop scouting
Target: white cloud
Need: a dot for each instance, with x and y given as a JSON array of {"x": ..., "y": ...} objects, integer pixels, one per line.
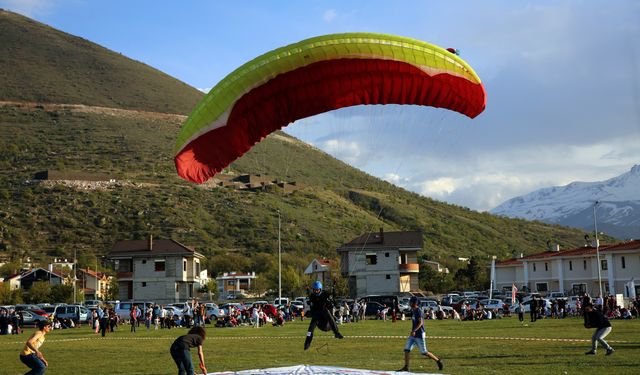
[
  {"x": 349, "y": 152},
  {"x": 205, "y": 90},
  {"x": 329, "y": 15}
]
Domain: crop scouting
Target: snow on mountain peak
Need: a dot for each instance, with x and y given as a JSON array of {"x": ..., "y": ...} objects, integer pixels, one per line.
[{"x": 554, "y": 203}]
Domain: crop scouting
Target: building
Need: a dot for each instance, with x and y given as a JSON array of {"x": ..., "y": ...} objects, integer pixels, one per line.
[
  {"x": 27, "y": 278},
  {"x": 94, "y": 284},
  {"x": 233, "y": 284},
  {"x": 320, "y": 269},
  {"x": 381, "y": 263},
  {"x": 575, "y": 270},
  {"x": 163, "y": 271}
]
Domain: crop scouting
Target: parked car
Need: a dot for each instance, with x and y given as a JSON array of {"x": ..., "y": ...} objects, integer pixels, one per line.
[
  {"x": 35, "y": 308},
  {"x": 281, "y": 301},
  {"x": 492, "y": 304},
  {"x": 373, "y": 308},
  {"x": 556, "y": 295},
  {"x": 176, "y": 311},
  {"x": 527, "y": 306},
  {"x": 31, "y": 318},
  {"x": 213, "y": 312},
  {"x": 78, "y": 314},
  {"x": 91, "y": 303}
]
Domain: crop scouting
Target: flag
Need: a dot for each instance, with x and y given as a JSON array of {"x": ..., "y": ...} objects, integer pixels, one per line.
[{"x": 514, "y": 290}]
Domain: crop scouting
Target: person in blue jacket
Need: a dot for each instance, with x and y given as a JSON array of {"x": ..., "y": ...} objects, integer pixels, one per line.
[{"x": 321, "y": 302}]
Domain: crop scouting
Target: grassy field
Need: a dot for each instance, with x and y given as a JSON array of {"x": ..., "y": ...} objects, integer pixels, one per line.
[{"x": 488, "y": 347}]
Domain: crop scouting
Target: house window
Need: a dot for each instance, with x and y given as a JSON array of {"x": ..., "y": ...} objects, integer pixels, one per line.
[
  {"x": 388, "y": 277},
  {"x": 584, "y": 264},
  {"x": 570, "y": 266},
  {"x": 541, "y": 287},
  {"x": 144, "y": 261},
  {"x": 386, "y": 255},
  {"x": 623, "y": 263},
  {"x": 231, "y": 282},
  {"x": 177, "y": 287},
  {"x": 603, "y": 265},
  {"x": 197, "y": 268},
  {"x": 184, "y": 265},
  {"x": 534, "y": 267},
  {"x": 372, "y": 259},
  {"x": 159, "y": 265},
  {"x": 546, "y": 267},
  {"x": 144, "y": 284}
]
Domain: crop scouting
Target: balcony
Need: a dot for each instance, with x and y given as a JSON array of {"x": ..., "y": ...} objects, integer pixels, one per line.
[
  {"x": 124, "y": 276},
  {"x": 409, "y": 268}
]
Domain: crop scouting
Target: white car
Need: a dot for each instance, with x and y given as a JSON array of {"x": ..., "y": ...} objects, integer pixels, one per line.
[
  {"x": 492, "y": 304},
  {"x": 527, "y": 306},
  {"x": 176, "y": 311}
]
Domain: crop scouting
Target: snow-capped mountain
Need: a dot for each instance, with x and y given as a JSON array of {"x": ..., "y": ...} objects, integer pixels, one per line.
[{"x": 617, "y": 213}]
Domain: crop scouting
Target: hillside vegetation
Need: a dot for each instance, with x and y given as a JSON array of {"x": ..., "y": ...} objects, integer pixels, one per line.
[{"x": 338, "y": 204}]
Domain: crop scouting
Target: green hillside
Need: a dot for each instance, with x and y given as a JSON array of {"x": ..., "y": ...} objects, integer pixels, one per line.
[
  {"x": 338, "y": 204},
  {"x": 42, "y": 64}
]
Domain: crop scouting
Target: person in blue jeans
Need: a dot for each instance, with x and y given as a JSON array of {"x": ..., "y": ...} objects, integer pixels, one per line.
[
  {"x": 31, "y": 355},
  {"x": 180, "y": 351},
  {"x": 417, "y": 336}
]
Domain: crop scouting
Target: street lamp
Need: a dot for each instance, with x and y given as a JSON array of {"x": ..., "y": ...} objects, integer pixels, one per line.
[
  {"x": 279, "y": 262},
  {"x": 595, "y": 227}
]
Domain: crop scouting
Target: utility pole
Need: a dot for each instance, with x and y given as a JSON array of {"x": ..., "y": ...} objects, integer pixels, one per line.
[
  {"x": 279, "y": 261},
  {"x": 595, "y": 227}
]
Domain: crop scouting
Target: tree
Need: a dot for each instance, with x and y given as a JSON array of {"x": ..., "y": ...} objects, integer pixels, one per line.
[
  {"x": 291, "y": 282},
  {"x": 62, "y": 293},
  {"x": 112, "y": 290},
  {"x": 221, "y": 263},
  {"x": 434, "y": 281},
  {"x": 8, "y": 296},
  {"x": 40, "y": 292}
]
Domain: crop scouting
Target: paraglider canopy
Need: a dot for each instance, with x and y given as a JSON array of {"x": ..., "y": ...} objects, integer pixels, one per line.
[{"x": 315, "y": 76}]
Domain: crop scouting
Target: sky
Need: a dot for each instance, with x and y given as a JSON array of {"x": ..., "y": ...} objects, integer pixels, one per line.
[{"x": 562, "y": 81}]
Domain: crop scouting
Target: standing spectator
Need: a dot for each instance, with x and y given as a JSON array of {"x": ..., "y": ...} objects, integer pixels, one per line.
[
  {"x": 595, "y": 319},
  {"x": 417, "y": 336},
  {"x": 533, "y": 309},
  {"x": 520, "y": 310},
  {"x": 133, "y": 317},
  {"x": 355, "y": 311},
  {"x": 31, "y": 355},
  {"x": 256, "y": 317},
  {"x": 104, "y": 321}
]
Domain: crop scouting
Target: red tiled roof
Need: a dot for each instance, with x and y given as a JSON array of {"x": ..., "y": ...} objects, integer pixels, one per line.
[
  {"x": 587, "y": 250},
  {"x": 629, "y": 245}
]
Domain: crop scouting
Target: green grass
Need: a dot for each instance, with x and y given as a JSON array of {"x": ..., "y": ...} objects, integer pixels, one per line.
[{"x": 465, "y": 347}]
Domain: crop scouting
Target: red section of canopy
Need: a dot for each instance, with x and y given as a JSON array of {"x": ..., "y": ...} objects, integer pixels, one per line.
[{"x": 318, "y": 88}]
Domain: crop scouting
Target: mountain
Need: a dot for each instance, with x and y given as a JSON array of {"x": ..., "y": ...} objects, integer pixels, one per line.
[
  {"x": 69, "y": 105},
  {"x": 617, "y": 213}
]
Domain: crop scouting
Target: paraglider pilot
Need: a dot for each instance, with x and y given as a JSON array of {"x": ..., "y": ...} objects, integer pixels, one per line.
[{"x": 320, "y": 301}]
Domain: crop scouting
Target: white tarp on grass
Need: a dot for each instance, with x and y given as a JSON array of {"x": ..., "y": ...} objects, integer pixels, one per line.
[{"x": 312, "y": 370}]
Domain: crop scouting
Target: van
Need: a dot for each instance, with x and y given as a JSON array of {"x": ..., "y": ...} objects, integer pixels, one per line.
[
  {"x": 281, "y": 301},
  {"x": 79, "y": 314},
  {"x": 123, "y": 309},
  {"x": 388, "y": 300}
]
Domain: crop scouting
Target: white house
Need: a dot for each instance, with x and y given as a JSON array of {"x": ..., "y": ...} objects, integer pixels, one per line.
[
  {"x": 233, "y": 284},
  {"x": 320, "y": 269},
  {"x": 575, "y": 270}
]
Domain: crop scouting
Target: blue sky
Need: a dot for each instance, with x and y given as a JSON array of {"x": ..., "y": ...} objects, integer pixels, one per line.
[{"x": 562, "y": 77}]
